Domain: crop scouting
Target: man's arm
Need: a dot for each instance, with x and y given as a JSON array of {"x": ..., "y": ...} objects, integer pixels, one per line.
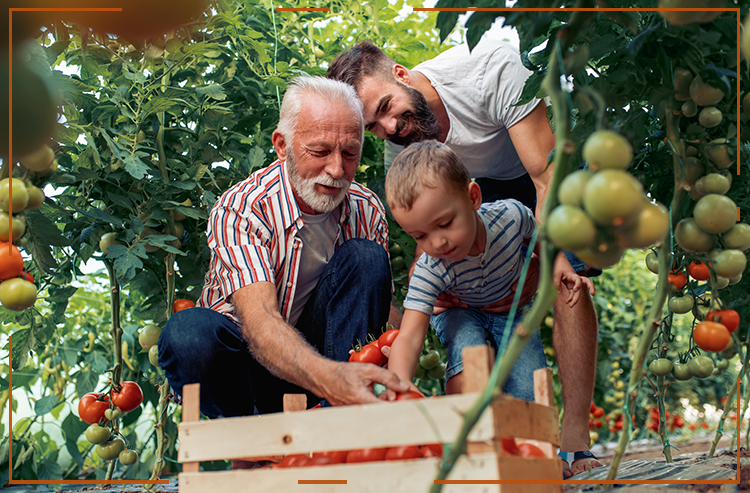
[
  {"x": 286, "y": 354},
  {"x": 534, "y": 140}
]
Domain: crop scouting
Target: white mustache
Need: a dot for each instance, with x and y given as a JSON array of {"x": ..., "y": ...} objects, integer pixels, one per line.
[{"x": 330, "y": 182}]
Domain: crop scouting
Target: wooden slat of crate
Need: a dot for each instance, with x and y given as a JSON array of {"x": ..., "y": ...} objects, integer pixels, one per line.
[
  {"x": 415, "y": 476},
  {"x": 337, "y": 428},
  {"x": 521, "y": 419}
]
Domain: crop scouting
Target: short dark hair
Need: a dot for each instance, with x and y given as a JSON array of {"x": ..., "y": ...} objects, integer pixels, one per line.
[
  {"x": 362, "y": 60},
  {"x": 426, "y": 164}
]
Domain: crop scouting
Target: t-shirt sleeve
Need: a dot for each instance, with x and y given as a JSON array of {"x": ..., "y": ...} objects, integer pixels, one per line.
[
  {"x": 528, "y": 222},
  {"x": 430, "y": 278},
  {"x": 503, "y": 85},
  {"x": 239, "y": 248}
]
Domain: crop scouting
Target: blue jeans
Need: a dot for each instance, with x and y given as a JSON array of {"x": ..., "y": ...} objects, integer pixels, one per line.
[
  {"x": 458, "y": 328},
  {"x": 523, "y": 190},
  {"x": 351, "y": 299}
]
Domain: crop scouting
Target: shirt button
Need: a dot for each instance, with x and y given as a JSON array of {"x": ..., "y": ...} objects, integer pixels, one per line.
[
  {"x": 483, "y": 262},
  {"x": 289, "y": 284},
  {"x": 484, "y": 283}
]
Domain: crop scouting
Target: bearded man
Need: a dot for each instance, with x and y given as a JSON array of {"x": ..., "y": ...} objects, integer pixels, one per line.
[{"x": 299, "y": 272}]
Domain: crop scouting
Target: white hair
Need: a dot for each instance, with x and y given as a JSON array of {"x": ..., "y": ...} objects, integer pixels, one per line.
[{"x": 329, "y": 90}]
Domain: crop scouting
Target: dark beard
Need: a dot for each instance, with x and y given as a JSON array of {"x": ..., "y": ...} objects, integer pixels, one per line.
[{"x": 424, "y": 123}]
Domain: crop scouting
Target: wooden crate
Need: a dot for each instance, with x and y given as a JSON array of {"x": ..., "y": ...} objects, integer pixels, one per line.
[{"x": 377, "y": 425}]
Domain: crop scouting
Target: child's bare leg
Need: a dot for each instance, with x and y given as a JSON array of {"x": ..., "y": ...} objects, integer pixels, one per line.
[{"x": 455, "y": 384}]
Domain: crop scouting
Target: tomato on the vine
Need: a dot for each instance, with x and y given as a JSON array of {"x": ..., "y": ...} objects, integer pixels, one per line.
[
  {"x": 598, "y": 412},
  {"x": 97, "y": 434},
  {"x": 677, "y": 279},
  {"x": 728, "y": 318},
  {"x": 701, "y": 366},
  {"x": 699, "y": 271},
  {"x": 182, "y": 304},
  {"x": 129, "y": 397},
  {"x": 681, "y": 372},
  {"x": 91, "y": 407},
  {"x": 10, "y": 265},
  {"x": 110, "y": 450},
  {"x": 711, "y": 336},
  {"x": 432, "y": 450},
  {"x": 660, "y": 367}
]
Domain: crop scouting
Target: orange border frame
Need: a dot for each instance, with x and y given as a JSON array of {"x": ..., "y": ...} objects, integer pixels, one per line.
[{"x": 302, "y": 481}]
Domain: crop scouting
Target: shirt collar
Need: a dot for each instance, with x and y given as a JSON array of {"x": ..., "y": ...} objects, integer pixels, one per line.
[{"x": 292, "y": 214}]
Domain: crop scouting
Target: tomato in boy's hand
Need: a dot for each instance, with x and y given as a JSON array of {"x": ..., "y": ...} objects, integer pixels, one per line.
[{"x": 406, "y": 396}]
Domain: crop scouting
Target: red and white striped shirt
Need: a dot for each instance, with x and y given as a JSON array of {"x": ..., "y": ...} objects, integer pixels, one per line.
[{"x": 253, "y": 234}]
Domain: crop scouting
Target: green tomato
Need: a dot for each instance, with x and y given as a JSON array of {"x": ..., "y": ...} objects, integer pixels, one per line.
[
  {"x": 153, "y": 355},
  {"x": 681, "y": 371},
  {"x": 111, "y": 449},
  {"x": 701, "y": 366},
  {"x": 149, "y": 336},
  {"x": 681, "y": 304},
  {"x": 660, "y": 367},
  {"x": 729, "y": 352},
  {"x": 652, "y": 263},
  {"x": 430, "y": 360},
  {"x": 722, "y": 364},
  {"x": 419, "y": 372},
  {"x": 97, "y": 434},
  {"x": 396, "y": 250},
  {"x": 397, "y": 264},
  {"x": 437, "y": 373},
  {"x": 113, "y": 413},
  {"x": 128, "y": 457}
]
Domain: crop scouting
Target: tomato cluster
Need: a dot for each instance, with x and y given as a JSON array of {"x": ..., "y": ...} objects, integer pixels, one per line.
[
  {"x": 372, "y": 351},
  {"x": 652, "y": 423},
  {"x": 603, "y": 209},
  {"x": 374, "y": 454}
]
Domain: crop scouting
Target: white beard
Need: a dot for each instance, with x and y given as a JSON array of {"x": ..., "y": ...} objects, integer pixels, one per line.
[{"x": 305, "y": 187}]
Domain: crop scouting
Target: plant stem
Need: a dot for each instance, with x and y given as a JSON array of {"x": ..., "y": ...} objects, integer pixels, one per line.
[
  {"x": 116, "y": 332},
  {"x": 727, "y": 406}
]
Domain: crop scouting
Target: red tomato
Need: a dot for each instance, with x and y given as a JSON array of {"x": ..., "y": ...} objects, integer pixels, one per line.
[
  {"x": 432, "y": 450},
  {"x": 509, "y": 446},
  {"x": 711, "y": 336},
  {"x": 182, "y": 304},
  {"x": 27, "y": 277},
  {"x": 387, "y": 338},
  {"x": 653, "y": 426},
  {"x": 693, "y": 426},
  {"x": 336, "y": 456},
  {"x": 618, "y": 424},
  {"x": 677, "y": 279},
  {"x": 598, "y": 412},
  {"x": 699, "y": 271},
  {"x": 319, "y": 461},
  {"x": 294, "y": 460},
  {"x": 728, "y": 318},
  {"x": 91, "y": 408},
  {"x": 368, "y": 354},
  {"x": 406, "y": 396},
  {"x": 129, "y": 397},
  {"x": 366, "y": 455},
  {"x": 530, "y": 450},
  {"x": 593, "y": 406},
  {"x": 403, "y": 452},
  {"x": 678, "y": 422},
  {"x": 598, "y": 423},
  {"x": 704, "y": 425}
]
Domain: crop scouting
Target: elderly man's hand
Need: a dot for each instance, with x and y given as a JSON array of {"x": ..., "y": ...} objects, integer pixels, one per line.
[{"x": 351, "y": 383}]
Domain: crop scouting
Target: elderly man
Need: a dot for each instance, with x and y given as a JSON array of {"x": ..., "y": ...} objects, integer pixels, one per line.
[
  {"x": 299, "y": 271},
  {"x": 466, "y": 101}
]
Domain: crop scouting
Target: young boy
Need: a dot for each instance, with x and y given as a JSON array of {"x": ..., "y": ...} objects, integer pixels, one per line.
[{"x": 473, "y": 251}]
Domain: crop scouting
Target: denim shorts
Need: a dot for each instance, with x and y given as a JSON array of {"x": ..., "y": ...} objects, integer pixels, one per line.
[
  {"x": 523, "y": 190},
  {"x": 458, "y": 328}
]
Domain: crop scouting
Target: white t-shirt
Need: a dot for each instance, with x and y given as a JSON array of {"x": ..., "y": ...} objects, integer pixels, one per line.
[
  {"x": 318, "y": 244},
  {"x": 478, "y": 90}
]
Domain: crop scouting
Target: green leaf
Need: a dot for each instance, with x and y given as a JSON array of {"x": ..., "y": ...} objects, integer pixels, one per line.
[
  {"x": 213, "y": 91},
  {"x": 446, "y": 20},
  {"x": 531, "y": 88},
  {"x": 23, "y": 342},
  {"x": 256, "y": 157},
  {"x": 135, "y": 166},
  {"x": 44, "y": 230},
  {"x": 86, "y": 381},
  {"x": 193, "y": 212},
  {"x": 97, "y": 360},
  {"x": 72, "y": 428},
  {"x": 157, "y": 104},
  {"x": 126, "y": 261},
  {"x": 45, "y": 405},
  {"x": 478, "y": 24},
  {"x": 120, "y": 200},
  {"x": 50, "y": 470},
  {"x": 69, "y": 355}
]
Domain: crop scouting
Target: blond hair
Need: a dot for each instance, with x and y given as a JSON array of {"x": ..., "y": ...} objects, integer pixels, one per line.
[{"x": 426, "y": 164}]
